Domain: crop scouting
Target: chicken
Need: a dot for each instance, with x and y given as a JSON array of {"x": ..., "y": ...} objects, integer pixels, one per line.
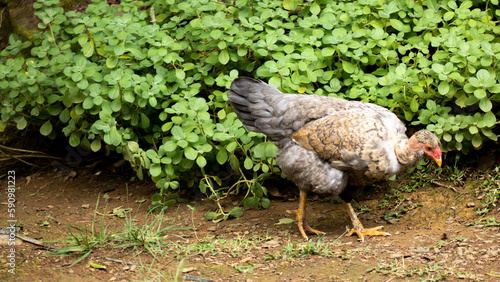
[{"x": 328, "y": 145}]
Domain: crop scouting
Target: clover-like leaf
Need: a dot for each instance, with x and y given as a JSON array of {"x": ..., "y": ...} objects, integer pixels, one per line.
[
  {"x": 477, "y": 140},
  {"x": 236, "y": 212},
  {"x": 485, "y": 105},
  {"x": 224, "y": 57},
  {"x": 155, "y": 170},
  {"x": 46, "y": 128},
  {"x": 190, "y": 153},
  {"x": 201, "y": 161}
]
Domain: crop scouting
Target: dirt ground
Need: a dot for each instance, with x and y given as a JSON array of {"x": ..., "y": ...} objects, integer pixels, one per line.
[{"x": 436, "y": 235}]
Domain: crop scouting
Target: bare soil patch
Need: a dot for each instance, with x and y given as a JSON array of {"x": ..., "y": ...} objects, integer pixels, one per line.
[{"x": 436, "y": 234}]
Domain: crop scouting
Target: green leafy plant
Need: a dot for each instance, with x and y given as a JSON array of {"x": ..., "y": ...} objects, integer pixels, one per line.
[
  {"x": 161, "y": 202},
  {"x": 149, "y": 80}
]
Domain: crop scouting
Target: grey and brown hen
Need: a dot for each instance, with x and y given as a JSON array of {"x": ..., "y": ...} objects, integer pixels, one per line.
[{"x": 329, "y": 145}]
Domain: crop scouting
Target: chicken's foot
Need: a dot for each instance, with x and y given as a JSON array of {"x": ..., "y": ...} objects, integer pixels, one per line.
[
  {"x": 301, "y": 217},
  {"x": 358, "y": 227}
]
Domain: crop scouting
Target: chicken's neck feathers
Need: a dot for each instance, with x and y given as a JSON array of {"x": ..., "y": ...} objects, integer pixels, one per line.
[{"x": 409, "y": 151}]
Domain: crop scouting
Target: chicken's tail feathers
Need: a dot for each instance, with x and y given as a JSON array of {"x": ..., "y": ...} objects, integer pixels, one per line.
[{"x": 249, "y": 98}]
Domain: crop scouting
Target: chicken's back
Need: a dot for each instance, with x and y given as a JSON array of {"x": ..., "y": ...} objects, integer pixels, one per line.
[{"x": 263, "y": 108}]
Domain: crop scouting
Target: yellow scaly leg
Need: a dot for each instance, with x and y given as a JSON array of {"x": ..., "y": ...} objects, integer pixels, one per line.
[{"x": 301, "y": 217}]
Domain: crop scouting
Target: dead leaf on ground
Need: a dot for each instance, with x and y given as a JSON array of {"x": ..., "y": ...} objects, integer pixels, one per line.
[{"x": 285, "y": 221}]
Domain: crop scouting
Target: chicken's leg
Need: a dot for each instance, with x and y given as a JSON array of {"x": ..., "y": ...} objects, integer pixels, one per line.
[
  {"x": 358, "y": 227},
  {"x": 301, "y": 217}
]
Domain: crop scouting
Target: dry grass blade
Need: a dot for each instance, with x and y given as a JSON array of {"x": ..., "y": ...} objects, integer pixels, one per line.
[{"x": 446, "y": 186}]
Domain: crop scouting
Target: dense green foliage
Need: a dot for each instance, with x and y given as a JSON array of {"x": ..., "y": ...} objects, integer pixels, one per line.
[{"x": 149, "y": 80}]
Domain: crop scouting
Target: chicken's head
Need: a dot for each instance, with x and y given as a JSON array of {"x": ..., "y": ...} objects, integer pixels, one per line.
[{"x": 429, "y": 143}]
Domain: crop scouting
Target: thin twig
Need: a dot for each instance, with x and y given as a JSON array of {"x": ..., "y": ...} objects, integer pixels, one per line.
[
  {"x": 8, "y": 153},
  {"x": 399, "y": 204},
  {"x": 152, "y": 14},
  {"x": 40, "y": 154},
  {"x": 121, "y": 261},
  {"x": 23, "y": 161},
  {"x": 192, "y": 278},
  {"x": 1, "y": 16},
  {"x": 28, "y": 239},
  {"x": 8, "y": 156},
  {"x": 446, "y": 186}
]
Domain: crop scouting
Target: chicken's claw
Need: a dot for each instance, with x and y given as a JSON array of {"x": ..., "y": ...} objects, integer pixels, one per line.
[
  {"x": 358, "y": 227},
  {"x": 368, "y": 232}
]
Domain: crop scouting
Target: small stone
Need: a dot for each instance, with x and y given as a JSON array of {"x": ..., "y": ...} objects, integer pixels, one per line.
[
  {"x": 270, "y": 244},
  {"x": 471, "y": 204},
  {"x": 396, "y": 255},
  {"x": 422, "y": 250},
  {"x": 188, "y": 269},
  {"x": 86, "y": 206},
  {"x": 247, "y": 259}
]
